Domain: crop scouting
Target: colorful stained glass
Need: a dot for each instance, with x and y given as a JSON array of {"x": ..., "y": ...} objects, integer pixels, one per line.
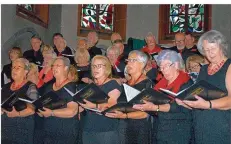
[
  {"x": 194, "y": 14},
  {"x": 177, "y": 9},
  {"x": 89, "y": 6},
  {"x": 88, "y": 19},
  {"x": 196, "y": 23},
  {"x": 27, "y": 6},
  {"x": 97, "y": 16},
  {"x": 196, "y": 9},
  {"x": 106, "y": 17}
]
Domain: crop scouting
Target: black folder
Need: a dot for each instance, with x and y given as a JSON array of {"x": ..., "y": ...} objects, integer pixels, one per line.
[
  {"x": 14, "y": 99},
  {"x": 148, "y": 94},
  {"x": 201, "y": 88},
  {"x": 123, "y": 107},
  {"x": 91, "y": 93},
  {"x": 9, "y": 101},
  {"x": 151, "y": 95},
  {"x": 49, "y": 100}
]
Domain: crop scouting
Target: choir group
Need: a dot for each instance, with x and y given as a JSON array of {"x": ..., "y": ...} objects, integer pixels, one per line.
[{"x": 54, "y": 70}]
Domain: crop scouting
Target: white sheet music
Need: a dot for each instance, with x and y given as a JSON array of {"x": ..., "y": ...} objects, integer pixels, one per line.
[
  {"x": 71, "y": 93},
  {"x": 117, "y": 69},
  {"x": 25, "y": 100},
  {"x": 6, "y": 80},
  {"x": 130, "y": 92},
  {"x": 68, "y": 55}
]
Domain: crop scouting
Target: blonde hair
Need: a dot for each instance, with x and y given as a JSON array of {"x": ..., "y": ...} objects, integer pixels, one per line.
[
  {"x": 74, "y": 73},
  {"x": 194, "y": 58},
  {"x": 25, "y": 62},
  {"x": 105, "y": 60},
  {"x": 82, "y": 53},
  {"x": 46, "y": 48},
  {"x": 33, "y": 67},
  {"x": 19, "y": 51}
]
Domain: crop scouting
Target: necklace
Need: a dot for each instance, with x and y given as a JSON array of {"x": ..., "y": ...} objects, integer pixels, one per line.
[
  {"x": 16, "y": 87},
  {"x": 59, "y": 85},
  {"x": 131, "y": 84},
  {"x": 213, "y": 70}
]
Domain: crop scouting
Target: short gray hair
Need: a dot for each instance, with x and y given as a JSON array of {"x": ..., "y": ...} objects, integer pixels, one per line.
[
  {"x": 65, "y": 60},
  {"x": 171, "y": 56},
  {"x": 213, "y": 36},
  {"x": 24, "y": 61},
  {"x": 149, "y": 35},
  {"x": 142, "y": 57},
  {"x": 112, "y": 48}
]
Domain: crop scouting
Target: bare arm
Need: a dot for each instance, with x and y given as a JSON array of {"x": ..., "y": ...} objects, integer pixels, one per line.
[
  {"x": 220, "y": 104},
  {"x": 68, "y": 112}
]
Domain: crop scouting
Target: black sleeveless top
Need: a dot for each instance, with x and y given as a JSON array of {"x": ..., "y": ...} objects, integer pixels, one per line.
[
  {"x": 98, "y": 123},
  {"x": 213, "y": 126}
]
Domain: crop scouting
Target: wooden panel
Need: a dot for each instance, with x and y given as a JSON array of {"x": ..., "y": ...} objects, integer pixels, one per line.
[{"x": 120, "y": 21}]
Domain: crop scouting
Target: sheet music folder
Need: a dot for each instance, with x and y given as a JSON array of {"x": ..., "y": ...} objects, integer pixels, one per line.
[
  {"x": 201, "y": 88},
  {"x": 148, "y": 94},
  {"x": 91, "y": 93},
  {"x": 9, "y": 101},
  {"x": 49, "y": 100}
]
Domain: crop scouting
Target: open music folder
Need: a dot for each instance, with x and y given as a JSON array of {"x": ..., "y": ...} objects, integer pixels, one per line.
[{"x": 201, "y": 88}]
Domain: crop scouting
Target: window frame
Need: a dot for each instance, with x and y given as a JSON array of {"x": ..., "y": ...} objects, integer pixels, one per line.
[
  {"x": 164, "y": 37},
  {"x": 36, "y": 16}
]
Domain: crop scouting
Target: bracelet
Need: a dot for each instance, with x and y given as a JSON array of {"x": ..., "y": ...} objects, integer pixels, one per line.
[
  {"x": 19, "y": 114},
  {"x": 210, "y": 105},
  {"x": 158, "y": 108}
]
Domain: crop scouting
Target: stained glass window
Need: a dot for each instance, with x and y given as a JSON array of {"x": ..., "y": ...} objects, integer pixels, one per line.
[
  {"x": 29, "y": 7},
  {"x": 97, "y": 17},
  {"x": 186, "y": 18}
]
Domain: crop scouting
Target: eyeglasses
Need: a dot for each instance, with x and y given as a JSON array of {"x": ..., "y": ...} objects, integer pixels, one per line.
[
  {"x": 17, "y": 67},
  {"x": 166, "y": 67},
  {"x": 132, "y": 60},
  {"x": 98, "y": 66}
]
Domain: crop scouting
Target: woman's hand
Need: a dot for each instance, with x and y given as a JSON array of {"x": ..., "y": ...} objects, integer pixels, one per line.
[
  {"x": 147, "y": 106},
  {"x": 13, "y": 113},
  {"x": 116, "y": 114},
  {"x": 88, "y": 104},
  {"x": 46, "y": 113},
  {"x": 181, "y": 103},
  {"x": 200, "y": 103}
]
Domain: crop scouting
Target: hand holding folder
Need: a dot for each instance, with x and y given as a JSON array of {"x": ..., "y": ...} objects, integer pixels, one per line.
[
  {"x": 91, "y": 93},
  {"x": 201, "y": 88},
  {"x": 49, "y": 100},
  {"x": 138, "y": 97}
]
